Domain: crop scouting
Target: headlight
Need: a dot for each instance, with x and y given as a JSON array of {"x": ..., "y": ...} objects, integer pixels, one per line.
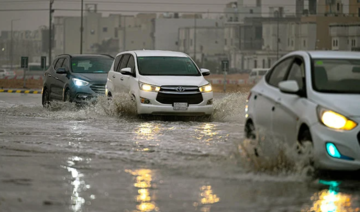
[
  {"x": 335, "y": 120},
  {"x": 206, "y": 88},
  {"x": 79, "y": 82},
  {"x": 147, "y": 87}
]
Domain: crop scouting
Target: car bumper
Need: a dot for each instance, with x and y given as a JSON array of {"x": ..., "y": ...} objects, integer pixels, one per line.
[
  {"x": 347, "y": 143},
  {"x": 85, "y": 93},
  {"x": 156, "y": 108}
]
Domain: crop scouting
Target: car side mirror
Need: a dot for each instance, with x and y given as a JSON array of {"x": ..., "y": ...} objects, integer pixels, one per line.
[
  {"x": 126, "y": 71},
  {"x": 205, "y": 72},
  {"x": 61, "y": 70},
  {"x": 289, "y": 87}
]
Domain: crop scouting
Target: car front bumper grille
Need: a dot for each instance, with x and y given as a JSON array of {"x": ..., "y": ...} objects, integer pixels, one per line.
[
  {"x": 184, "y": 94},
  {"x": 99, "y": 89}
]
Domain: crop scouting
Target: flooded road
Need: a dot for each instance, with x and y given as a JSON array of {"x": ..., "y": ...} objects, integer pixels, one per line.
[{"x": 103, "y": 158}]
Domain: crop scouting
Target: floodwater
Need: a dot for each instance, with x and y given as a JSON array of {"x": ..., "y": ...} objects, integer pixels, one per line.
[{"x": 104, "y": 158}]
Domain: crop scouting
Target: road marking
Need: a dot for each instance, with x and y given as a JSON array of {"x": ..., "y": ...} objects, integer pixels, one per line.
[{"x": 20, "y": 91}]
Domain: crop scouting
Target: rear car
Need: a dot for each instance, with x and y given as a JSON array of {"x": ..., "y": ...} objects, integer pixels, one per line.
[
  {"x": 76, "y": 78},
  {"x": 256, "y": 74},
  {"x": 161, "y": 83}
]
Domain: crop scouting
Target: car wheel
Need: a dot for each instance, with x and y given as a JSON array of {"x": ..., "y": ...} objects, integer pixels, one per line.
[
  {"x": 46, "y": 98},
  {"x": 250, "y": 130},
  {"x": 67, "y": 96},
  {"x": 304, "y": 137}
]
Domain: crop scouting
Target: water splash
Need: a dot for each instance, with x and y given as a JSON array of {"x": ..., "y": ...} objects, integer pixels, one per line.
[
  {"x": 274, "y": 156},
  {"x": 230, "y": 108}
]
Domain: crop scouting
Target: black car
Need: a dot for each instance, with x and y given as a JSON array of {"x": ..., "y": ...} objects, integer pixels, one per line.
[{"x": 76, "y": 78}]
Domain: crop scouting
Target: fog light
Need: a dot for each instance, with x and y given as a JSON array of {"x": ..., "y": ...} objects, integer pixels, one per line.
[
  {"x": 210, "y": 102},
  {"x": 144, "y": 100},
  {"x": 332, "y": 150}
]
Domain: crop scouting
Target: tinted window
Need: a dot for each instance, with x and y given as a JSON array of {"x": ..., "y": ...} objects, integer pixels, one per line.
[
  {"x": 336, "y": 75},
  {"x": 59, "y": 63},
  {"x": 297, "y": 72},
  {"x": 117, "y": 62},
  {"x": 167, "y": 66},
  {"x": 123, "y": 62},
  {"x": 131, "y": 64},
  {"x": 91, "y": 64},
  {"x": 66, "y": 64},
  {"x": 278, "y": 73}
]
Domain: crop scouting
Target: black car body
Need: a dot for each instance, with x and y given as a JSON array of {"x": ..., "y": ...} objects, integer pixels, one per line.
[{"x": 76, "y": 78}]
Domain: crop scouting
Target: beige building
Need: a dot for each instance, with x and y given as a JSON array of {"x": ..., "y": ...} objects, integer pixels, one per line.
[
  {"x": 354, "y": 8},
  {"x": 345, "y": 37}
]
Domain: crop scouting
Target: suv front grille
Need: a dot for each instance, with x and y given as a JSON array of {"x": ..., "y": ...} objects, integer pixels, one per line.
[
  {"x": 99, "y": 89},
  {"x": 172, "y": 94}
]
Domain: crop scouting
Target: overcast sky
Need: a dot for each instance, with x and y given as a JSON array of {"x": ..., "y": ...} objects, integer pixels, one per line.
[{"x": 31, "y": 20}]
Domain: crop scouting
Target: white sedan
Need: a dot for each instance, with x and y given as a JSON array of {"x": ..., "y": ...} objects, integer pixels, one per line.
[
  {"x": 312, "y": 96},
  {"x": 161, "y": 82}
]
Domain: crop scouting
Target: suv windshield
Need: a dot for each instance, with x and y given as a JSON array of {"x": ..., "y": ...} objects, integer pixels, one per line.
[
  {"x": 336, "y": 75},
  {"x": 91, "y": 64},
  {"x": 167, "y": 66}
]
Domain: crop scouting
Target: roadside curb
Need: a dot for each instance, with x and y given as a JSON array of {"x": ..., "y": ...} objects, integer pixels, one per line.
[{"x": 20, "y": 91}]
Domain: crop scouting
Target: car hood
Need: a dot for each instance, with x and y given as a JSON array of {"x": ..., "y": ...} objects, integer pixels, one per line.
[
  {"x": 346, "y": 104},
  {"x": 174, "y": 80},
  {"x": 92, "y": 78}
]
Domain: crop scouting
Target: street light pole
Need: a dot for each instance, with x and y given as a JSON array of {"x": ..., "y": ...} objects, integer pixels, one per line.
[
  {"x": 11, "y": 44},
  {"x": 82, "y": 26},
  {"x": 50, "y": 29}
]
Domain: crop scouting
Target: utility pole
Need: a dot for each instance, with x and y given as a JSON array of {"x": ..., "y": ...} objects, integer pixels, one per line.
[
  {"x": 124, "y": 33},
  {"x": 11, "y": 44},
  {"x": 50, "y": 28},
  {"x": 82, "y": 26},
  {"x": 195, "y": 37},
  {"x": 277, "y": 38}
]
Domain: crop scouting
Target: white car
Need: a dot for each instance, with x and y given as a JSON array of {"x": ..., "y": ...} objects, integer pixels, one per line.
[
  {"x": 161, "y": 82},
  {"x": 256, "y": 74},
  {"x": 6, "y": 73},
  {"x": 312, "y": 96}
]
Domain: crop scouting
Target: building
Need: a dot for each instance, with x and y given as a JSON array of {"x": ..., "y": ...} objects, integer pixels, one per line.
[
  {"x": 345, "y": 37},
  {"x": 166, "y": 30},
  {"x": 354, "y": 9},
  {"x": 333, "y": 7},
  {"x": 209, "y": 42},
  {"x": 110, "y": 35},
  {"x": 323, "y": 37}
]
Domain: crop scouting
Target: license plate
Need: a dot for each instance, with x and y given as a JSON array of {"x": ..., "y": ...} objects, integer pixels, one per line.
[{"x": 180, "y": 106}]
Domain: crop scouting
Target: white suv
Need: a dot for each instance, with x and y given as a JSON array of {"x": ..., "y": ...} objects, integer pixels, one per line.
[{"x": 161, "y": 82}]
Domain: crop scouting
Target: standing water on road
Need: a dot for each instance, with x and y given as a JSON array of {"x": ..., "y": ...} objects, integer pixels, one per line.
[{"x": 103, "y": 158}]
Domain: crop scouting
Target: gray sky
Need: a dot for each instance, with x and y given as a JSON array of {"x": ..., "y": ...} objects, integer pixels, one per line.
[{"x": 31, "y": 20}]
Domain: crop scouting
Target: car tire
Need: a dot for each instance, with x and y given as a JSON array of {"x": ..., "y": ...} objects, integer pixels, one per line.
[
  {"x": 67, "y": 96},
  {"x": 250, "y": 130},
  {"x": 46, "y": 98}
]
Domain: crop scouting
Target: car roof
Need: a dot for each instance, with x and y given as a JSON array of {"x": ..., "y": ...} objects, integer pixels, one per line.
[
  {"x": 333, "y": 54},
  {"x": 156, "y": 53},
  {"x": 85, "y": 55}
]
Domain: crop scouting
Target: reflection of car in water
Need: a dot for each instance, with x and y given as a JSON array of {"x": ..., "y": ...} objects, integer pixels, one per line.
[
  {"x": 76, "y": 78},
  {"x": 312, "y": 96},
  {"x": 256, "y": 74},
  {"x": 162, "y": 83}
]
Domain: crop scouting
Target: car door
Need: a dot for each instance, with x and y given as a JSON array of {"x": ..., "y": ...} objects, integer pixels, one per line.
[
  {"x": 265, "y": 97},
  {"x": 129, "y": 79},
  {"x": 120, "y": 78},
  {"x": 112, "y": 74},
  {"x": 56, "y": 89},
  {"x": 63, "y": 79},
  {"x": 288, "y": 106}
]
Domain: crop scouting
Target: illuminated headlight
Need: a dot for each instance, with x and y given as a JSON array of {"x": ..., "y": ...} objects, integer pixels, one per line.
[
  {"x": 147, "y": 87},
  {"x": 79, "y": 82},
  {"x": 335, "y": 120},
  {"x": 206, "y": 88}
]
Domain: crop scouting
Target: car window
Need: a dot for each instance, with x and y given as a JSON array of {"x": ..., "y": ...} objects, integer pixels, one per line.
[
  {"x": 117, "y": 62},
  {"x": 278, "y": 73},
  {"x": 131, "y": 64},
  {"x": 336, "y": 75},
  {"x": 297, "y": 72},
  {"x": 262, "y": 73},
  {"x": 167, "y": 66},
  {"x": 66, "y": 64},
  {"x": 59, "y": 63},
  {"x": 93, "y": 64},
  {"x": 123, "y": 62}
]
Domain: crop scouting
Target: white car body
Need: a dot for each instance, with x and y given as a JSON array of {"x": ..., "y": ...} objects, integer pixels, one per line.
[
  {"x": 6, "y": 73},
  {"x": 171, "y": 89},
  {"x": 256, "y": 74},
  {"x": 289, "y": 114}
]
